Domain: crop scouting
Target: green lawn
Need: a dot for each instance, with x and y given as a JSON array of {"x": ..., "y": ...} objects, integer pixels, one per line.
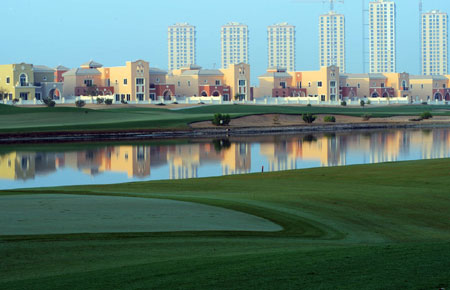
[
  {"x": 17, "y": 119},
  {"x": 380, "y": 226}
]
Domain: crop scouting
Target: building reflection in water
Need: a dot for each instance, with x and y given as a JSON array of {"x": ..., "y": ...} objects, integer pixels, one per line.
[{"x": 232, "y": 156}]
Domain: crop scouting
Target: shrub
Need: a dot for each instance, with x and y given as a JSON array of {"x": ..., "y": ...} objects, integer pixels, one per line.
[
  {"x": 344, "y": 103},
  {"x": 201, "y": 103},
  {"x": 160, "y": 104},
  {"x": 221, "y": 119},
  {"x": 426, "y": 115},
  {"x": 368, "y": 102},
  {"x": 100, "y": 100},
  {"x": 15, "y": 101},
  {"x": 175, "y": 103},
  {"x": 308, "y": 118},
  {"x": 108, "y": 101},
  {"x": 366, "y": 117},
  {"x": 80, "y": 103},
  {"x": 330, "y": 119},
  {"x": 123, "y": 102},
  {"x": 49, "y": 102},
  {"x": 424, "y": 103},
  {"x": 362, "y": 103},
  {"x": 309, "y": 105}
]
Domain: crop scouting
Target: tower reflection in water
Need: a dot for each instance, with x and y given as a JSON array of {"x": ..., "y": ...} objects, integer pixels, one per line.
[{"x": 232, "y": 156}]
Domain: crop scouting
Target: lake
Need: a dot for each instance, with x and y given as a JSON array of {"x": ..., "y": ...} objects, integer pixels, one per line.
[{"x": 40, "y": 165}]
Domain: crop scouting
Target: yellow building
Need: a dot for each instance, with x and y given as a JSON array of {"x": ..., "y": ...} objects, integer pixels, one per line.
[
  {"x": 130, "y": 82},
  {"x": 17, "y": 82},
  {"x": 429, "y": 88}
]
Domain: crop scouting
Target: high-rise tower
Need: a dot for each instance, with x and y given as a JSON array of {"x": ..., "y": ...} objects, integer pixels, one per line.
[
  {"x": 181, "y": 45},
  {"x": 234, "y": 38},
  {"x": 434, "y": 43},
  {"x": 382, "y": 36},
  {"x": 281, "y": 46},
  {"x": 332, "y": 40}
]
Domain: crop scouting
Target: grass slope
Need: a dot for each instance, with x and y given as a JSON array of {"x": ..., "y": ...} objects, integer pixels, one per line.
[
  {"x": 17, "y": 119},
  {"x": 381, "y": 226}
]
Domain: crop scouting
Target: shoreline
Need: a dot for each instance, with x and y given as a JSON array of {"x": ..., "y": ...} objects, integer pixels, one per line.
[{"x": 130, "y": 135}]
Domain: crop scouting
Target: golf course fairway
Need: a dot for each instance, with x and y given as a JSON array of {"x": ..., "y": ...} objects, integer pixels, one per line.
[{"x": 379, "y": 226}]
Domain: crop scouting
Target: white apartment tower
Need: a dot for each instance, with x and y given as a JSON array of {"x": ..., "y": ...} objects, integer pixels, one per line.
[
  {"x": 332, "y": 40},
  {"x": 382, "y": 36},
  {"x": 434, "y": 43},
  {"x": 181, "y": 45},
  {"x": 234, "y": 37},
  {"x": 281, "y": 46}
]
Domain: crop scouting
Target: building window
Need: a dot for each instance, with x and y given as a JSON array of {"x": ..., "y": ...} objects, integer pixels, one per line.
[
  {"x": 283, "y": 85},
  {"x": 140, "y": 97},
  {"x": 242, "y": 83},
  {"x": 139, "y": 81},
  {"x": 117, "y": 97},
  {"x": 217, "y": 82},
  {"x": 23, "y": 80},
  {"x": 88, "y": 83},
  {"x": 24, "y": 96},
  {"x": 128, "y": 97},
  {"x": 8, "y": 80},
  {"x": 319, "y": 84},
  {"x": 38, "y": 96},
  {"x": 125, "y": 82}
]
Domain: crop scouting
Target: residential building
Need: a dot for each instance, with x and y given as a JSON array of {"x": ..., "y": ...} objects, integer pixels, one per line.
[
  {"x": 379, "y": 85},
  {"x": 193, "y": 80},
  {"x": 234, "y": 44},
  {"x": 27, "y": 82},
  {"x": 87, "y": 80},
  {"x": 332, "y": 40},
  {"x": 382, "y": 36},
  {"x": 425, "y": 88},
  {"x": 281, "y": 46},
  {"x": 322, "y": 84},
  {"x": 181, "y": 45},
  {"x": 159, "y": 88},
  {"x": 276, "y": 82},
  {"x": 434, "y": 43},
  {"x": 130, "y": 82}
]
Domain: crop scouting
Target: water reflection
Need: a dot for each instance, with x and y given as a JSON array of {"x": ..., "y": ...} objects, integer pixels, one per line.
[{"x": 199, "y": 158}]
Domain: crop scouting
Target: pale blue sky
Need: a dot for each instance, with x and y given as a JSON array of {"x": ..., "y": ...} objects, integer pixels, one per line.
[{"x": 70, "y": 32}]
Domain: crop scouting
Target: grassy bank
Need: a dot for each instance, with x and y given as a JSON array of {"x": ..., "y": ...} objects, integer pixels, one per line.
[
  {"x": 381, "y": 226},
  {"x": 25, "y": 120}
]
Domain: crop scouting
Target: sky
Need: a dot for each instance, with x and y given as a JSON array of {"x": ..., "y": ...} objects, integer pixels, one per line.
[{"x": 71, "y": 32}]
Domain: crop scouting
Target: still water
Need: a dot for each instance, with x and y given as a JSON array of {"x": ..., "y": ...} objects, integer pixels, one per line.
[{"x": 72, "y": 164}]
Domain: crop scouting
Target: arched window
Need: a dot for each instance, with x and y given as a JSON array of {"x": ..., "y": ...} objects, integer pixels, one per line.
[
  {"x": 204, "y": 94},
  {"x": 23, "y": 80},
  {"x": 375, "y": 95}
]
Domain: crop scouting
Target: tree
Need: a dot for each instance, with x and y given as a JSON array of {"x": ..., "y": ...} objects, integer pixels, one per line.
[
  {"x": 91, "y": 91},
  {"x": 308, "y": 118},
  {"x": 221, "y": 119},
  {"x": 80, "y": 103}
]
